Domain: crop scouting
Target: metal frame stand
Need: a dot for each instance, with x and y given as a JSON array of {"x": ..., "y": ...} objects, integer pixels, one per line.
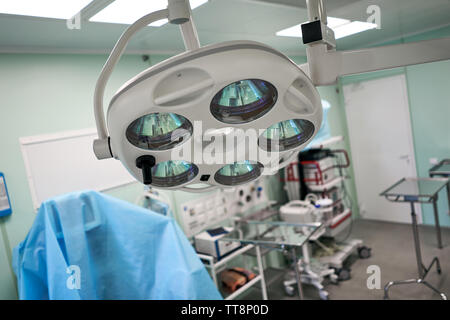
[
  {"x": 298, "y": 275},
  {"x": 422, "y": 270},
  {"x": 437, "y": 171}
]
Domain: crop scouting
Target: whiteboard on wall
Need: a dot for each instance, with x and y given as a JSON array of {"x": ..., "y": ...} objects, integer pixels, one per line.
[{"x": 65, "y": 162}]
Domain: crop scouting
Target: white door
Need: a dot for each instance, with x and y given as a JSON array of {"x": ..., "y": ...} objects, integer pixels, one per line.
[{"x": 381, "y": 142}]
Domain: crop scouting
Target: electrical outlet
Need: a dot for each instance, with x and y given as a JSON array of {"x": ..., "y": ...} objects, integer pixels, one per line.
[{"x": 250, "y": 195}]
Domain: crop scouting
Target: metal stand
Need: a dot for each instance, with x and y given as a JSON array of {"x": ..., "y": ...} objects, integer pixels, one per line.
[
  {"x": 422, "y": 270},
  {"x": 436, "y": 222},
  {"x": 297, "y": 274},
  {"x": 441, "y": 170}
]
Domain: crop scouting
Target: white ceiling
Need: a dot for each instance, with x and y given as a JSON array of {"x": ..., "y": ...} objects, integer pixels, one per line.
[{"x": 221, "y": 20}]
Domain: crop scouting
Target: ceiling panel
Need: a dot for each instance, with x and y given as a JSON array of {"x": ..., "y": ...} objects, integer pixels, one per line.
[{"x": 221, "y": 20}]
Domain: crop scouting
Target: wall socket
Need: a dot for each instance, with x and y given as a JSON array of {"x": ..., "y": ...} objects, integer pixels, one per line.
[{"x": 250, "y": 195}]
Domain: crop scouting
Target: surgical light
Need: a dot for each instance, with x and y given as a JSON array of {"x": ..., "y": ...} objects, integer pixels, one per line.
[{"x": 163, "y": 123}]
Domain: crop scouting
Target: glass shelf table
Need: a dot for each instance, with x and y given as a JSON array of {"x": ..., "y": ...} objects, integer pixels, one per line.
[
  {"x": 442, "y": 169},
  {"x": 275, "y": 234},
  {"x": 418, "y": 190}
]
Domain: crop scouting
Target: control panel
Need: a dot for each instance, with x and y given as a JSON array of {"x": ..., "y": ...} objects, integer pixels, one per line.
[
  {"x": 200, "y": 213},
  {"x": 204, "y": 212}
]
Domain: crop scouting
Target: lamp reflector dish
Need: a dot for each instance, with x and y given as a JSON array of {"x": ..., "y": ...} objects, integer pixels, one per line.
[
  {"x": 286, "y": 135},
  {"x": 159, "y": 131},
  {"x": 243, "y": 101},
  {"x": 173, "y": 173},
  {"x": 238, "y": 173}
]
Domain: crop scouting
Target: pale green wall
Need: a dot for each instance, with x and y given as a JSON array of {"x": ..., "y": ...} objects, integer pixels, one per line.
[
  {"x": 52, "y": 93},
  {"x": 429, "y": 95},
  {"x": 45, "y": 94},
  {"x": 338, "y": 127}
]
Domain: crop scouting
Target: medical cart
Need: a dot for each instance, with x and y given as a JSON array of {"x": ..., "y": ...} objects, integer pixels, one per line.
[
  {"x": 418, "y": 190},
  {"x": 316, "y": 172}
]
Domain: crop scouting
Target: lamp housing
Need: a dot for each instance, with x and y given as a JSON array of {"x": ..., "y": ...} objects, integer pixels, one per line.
[{"x": 178, "y": 97}]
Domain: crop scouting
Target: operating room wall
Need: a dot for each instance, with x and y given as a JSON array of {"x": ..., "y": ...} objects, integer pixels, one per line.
[
  {"x": 429, "y": 102},
  {"x": 49, "y": 93},
  {"x": 42, "y": 94},
  {"x": 338, "y": 127}
]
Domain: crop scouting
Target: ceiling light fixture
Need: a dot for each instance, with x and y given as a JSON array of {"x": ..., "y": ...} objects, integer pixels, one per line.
[
  {"x": 226, "y": 87},
  {"x": 56, "y": 9},
  {"x": 352, "y": 28},
  {"x": 128, "y": 11},
  {"x": 341, "y": 27}
]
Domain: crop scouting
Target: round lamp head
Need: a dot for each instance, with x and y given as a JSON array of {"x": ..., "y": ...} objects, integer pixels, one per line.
[
  {"x": 185, "y": 112},
  {"x": 243, "y": 101}
]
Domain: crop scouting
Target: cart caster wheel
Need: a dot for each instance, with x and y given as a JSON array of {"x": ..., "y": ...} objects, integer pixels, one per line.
[
  {"x": 334, "y": 279},
  {"x": 439, "y": 271},
  {"x": 290, "y": 291},
  {"x": 324, "y": 295},
  {"x": 364, "y": 252},
  {"x": 343, "y": 274}
]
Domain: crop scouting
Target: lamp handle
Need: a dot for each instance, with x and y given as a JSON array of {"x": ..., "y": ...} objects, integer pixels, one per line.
[
  {"x": 102, "y": 149},
  {"x": 199, "y": 190}
]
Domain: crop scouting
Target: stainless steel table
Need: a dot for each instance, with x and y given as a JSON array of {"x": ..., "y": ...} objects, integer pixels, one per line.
[
  {"x": 275, "y": 234},
  {"x": 418, "y": 190},
  {"x": 441, "y": 169}
]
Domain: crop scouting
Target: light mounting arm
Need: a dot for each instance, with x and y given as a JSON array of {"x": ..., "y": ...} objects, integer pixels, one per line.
[
  {"x": 325, "y": 65},
  {"x": 178, "y": 12}
]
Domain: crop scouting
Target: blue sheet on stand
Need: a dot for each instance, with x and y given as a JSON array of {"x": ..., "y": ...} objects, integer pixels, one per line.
[{"x": 88, "y": 245}]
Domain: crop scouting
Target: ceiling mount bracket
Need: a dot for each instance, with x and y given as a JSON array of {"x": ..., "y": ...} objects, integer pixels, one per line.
[{"x": 325, "y": 65}]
